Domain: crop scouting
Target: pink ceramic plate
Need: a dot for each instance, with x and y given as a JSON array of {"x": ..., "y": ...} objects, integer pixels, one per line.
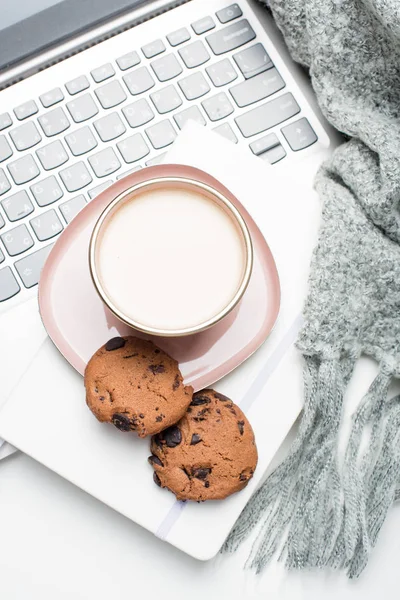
[{"x": 78, "y": 322}]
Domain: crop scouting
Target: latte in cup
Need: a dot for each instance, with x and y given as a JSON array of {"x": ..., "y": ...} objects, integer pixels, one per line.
[{"x": 171, "y": 257}]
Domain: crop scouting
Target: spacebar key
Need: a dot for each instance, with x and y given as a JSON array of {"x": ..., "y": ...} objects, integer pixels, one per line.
[
  {"x": 29, "y": 268},
  {"x": 267, "y": 115}
]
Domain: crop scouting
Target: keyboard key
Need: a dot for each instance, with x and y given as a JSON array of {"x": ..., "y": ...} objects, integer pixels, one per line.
[
  {"x": 5, "y": 148},
  {"x": 162, "y": 134},
  {"x": 102, "y": 73},
  {"x": 138, "y": 81},
  {"x": 131, "y": 59},
  {"x": 30, "y": 267},
  {"x": 51, "y": 97},
  {"x": 83, "y": 108},
  {"x": 263, "y": 144},
  {"x": 133, "y": 148},
  {"x": 231, "y": 37},
  {"x": 267, "y": 115},
  {"x": 126, "y": 173},
  {"x": 5, "y": 121},
  {"x": 46, "y": 225},
  {"x": 76, "y": 177},
  {"x": 167, "y": 67},
  {"x": 70, "y": 209},
  {"x": 98, "y": 189},
  {"x": 194, "y": 54},
  {"x": 253, "y": 61},
  {"x": 156, "y": 47},
  {"x": 46, "y": 191},
  {"x": 274, "y": 155},
  {"x": 229, "y": 13},
  {"x": 138, "y": 113},
  {"x": 25, "y": 136},
  {"x": 8, "y": 284},
  {"x": 4, "y": 185},
  {"x": 217, "y": 107},
  {"x": 194, "y": 86},
  {"x": 2, "y": 222},
  {"x": 54, "y": 122},
  {"x": 192, "y": 113},
  {"x": 25, "y": 110},
  {"x": 166, "y": 99},
  {"x": 222, "y": 72},
  {"x": 53, "y": 155},
  {"x": 111, "y": 94},
  {"x": 23, "y": 170},
  {"x": 299, "y": 135},
  {"x": 17, "y": 206},
  {"x": 109, "y": 127},
  {"x": 17, "y": 240},
  {"x": 104, "y": 162},
  {"x": 178, "y": 37},
  {"x": 156, "y": 160},
  {"x": 203, "y": 25},
  {"x": 259, "y": 87},
  {"x": 227, "y": 132},
  {"x": 81, "y": 141},
  {"x": 77, "y": 85},
  {"x": 2, "y": 257}
]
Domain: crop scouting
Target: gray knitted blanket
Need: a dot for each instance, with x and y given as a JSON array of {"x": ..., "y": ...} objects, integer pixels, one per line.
[{"x": 316, "y": 509}]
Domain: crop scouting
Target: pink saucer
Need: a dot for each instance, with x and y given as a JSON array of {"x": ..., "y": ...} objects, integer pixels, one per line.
[{"x": 78, "y": 322}]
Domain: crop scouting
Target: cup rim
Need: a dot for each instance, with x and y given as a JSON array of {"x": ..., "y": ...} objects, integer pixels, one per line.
[{"x": 205, "y": 324}]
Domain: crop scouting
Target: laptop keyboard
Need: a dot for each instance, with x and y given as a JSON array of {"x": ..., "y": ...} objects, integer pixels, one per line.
[{"x": 68, "y": 164}]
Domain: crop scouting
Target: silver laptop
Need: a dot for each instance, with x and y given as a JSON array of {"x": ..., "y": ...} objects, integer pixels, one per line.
[{"x": 69, "y": 127}]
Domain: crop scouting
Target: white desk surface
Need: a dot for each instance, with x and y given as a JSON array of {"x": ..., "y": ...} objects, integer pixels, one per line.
[{"x": 58, "y": 543}]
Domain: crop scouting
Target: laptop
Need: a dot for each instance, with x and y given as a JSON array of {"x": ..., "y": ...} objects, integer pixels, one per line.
[{"x": 89, "y": 96}]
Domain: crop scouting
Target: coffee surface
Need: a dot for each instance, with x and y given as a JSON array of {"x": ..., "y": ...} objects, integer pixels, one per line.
[{"x": 170, "y": 258}]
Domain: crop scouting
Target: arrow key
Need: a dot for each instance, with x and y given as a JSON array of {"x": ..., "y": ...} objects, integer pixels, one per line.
[{"x": 299, "y": 135}]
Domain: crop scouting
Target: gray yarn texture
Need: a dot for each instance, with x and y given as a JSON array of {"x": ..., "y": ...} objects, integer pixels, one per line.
[{"x": 318, "y": 509}]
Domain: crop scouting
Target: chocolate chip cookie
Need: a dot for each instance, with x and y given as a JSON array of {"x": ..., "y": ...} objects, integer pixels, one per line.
[
  {"x": 209, "y": 454},
  {"x": 136, "y": 386}
]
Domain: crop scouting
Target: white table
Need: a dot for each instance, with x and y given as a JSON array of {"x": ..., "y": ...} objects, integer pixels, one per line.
[{"x": 58, "y": 543}]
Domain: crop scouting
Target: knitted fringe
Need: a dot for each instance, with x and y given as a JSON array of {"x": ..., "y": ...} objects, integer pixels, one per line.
[{"x": 328, "y": 518}]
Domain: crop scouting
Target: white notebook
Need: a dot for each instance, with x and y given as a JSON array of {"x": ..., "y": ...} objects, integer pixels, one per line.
[{"x": 46, "y": 415}]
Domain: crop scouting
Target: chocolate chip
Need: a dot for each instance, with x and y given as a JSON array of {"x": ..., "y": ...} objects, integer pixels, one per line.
[
  {"x": 156, "y": 479},
  {"x": 121, "y": 422},
  {"x": 241, "y": 427},
  {"x": 96, "y": 390},
  {"x": 157, "y": 440},
  {"x": 221, "y": 397},
  {"x": 115, "y": 343},
  {"x": 177, "y": 382},
  {"x": 101, "y": 398},
  {"x": 159, "y": 419},
  {"x": 242, "y": 477},
  {"x": 201, "y": 472},
  {"x": 172, "y": 436},
  {"x": 218, "y": 411},
  {"x": 195, "y": 439},
  {"x": 156, "y": 351},
  {"x": 207, "y": 484},
  {"x": 131, "y": 355},
  {"x": 154, "y": 460},
  {"x": 141, "y": 416},
  {"x": 199, "y": 399},
  {"x": 233, "y": 411},
  {"x": 156, "y": 369}
]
